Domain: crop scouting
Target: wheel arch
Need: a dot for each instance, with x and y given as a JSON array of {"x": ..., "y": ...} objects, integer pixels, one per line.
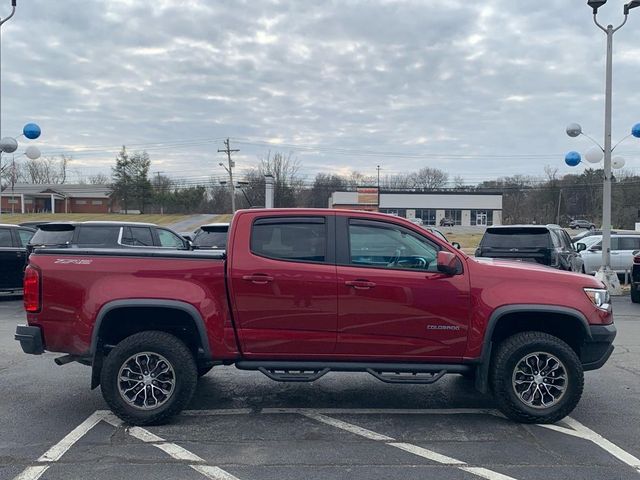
[
  {"x": 137, "y": 312},
  {"x": 560, "y": 321}
]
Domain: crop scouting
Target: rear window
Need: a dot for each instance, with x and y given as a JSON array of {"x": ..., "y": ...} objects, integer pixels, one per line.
[
  {"x": 212, "y": 237},
  {"x": 94, "y": 236},
  {"x": 300, "y": 239},
  {"x": 516, "y": 238},
  {"x": 52, "y": 237}
]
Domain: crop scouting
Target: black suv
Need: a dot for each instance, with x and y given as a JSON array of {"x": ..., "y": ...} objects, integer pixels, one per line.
[
  {"x": 106, "y": 235},
  {"x": 13, "y": 257},
  {"x": 543, "y": 244}
]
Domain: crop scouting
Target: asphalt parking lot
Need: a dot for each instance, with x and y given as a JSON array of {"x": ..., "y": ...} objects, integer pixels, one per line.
[{"x": 243, "y": 426}]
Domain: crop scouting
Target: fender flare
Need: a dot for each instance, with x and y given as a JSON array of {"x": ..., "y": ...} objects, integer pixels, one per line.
[
  {"x": 154, "y": 303},
  {"x": 482, "y": 374}
]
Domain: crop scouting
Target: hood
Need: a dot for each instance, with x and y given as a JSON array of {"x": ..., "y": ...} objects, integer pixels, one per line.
[{"x": 533, "y": 272}]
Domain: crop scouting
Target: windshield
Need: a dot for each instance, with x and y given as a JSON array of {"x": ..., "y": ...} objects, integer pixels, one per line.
[
  {"x": 52, "y": 237},
  {"x": 516, "y": 238},
  {"x": 211, "y": 238}
]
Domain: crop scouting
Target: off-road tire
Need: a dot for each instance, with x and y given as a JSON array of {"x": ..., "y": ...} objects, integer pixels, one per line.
[
  {"x": 174, "y": 351},
  {"x": 635, "y": 294},
  {"x": 507, "y": 355}
]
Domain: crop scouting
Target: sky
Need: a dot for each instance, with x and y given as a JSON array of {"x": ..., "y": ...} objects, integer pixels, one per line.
[{"x": 480, "y": 89}]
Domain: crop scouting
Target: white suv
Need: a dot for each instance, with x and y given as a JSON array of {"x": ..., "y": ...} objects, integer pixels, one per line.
[{"x": 622, "y": 248}]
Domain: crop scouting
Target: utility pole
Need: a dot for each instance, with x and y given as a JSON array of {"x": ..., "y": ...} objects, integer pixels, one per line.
[
  {"x": 161, "y": 193},
  {"x": 378, "y": 168},
  {"x": 229, "y": 170}
]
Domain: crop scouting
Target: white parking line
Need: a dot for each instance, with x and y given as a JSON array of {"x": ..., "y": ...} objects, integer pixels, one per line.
[
  {"x": 173, "y": 450},
  {"x": 584, "y": 432},
  {"x": 408, "y": 447}
]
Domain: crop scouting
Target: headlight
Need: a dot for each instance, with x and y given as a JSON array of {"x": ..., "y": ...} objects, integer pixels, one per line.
[{"x": 599, "y": 297}]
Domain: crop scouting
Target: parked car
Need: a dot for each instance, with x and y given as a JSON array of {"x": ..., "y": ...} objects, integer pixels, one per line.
[
  {"x": 211, "y": 237},
  {"x": 543, "y": 244},
  {"x": 622, "y": 252},
  {"x": 302, "y": 292},
  {"x": 582, "y": 224},
  {"x": 95, "y": 234},
  {"x": 13, "y": 257},
  {"x": 417, "y": 221},
  {"x": 589, "y": 233},
  {"x": 447, "y": 222},
  {"x": 635, "y": 278},
  {"x": 438, "y": 233}
]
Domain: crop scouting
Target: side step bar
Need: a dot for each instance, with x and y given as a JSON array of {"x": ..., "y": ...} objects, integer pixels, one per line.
[{"x": 407, "y": 373}]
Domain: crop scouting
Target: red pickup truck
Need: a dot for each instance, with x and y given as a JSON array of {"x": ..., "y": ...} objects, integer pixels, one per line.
[{"x": 300, "y": 293}]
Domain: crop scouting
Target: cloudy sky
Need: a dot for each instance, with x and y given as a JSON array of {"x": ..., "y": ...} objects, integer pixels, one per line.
[{"x": 477, "y": 88}]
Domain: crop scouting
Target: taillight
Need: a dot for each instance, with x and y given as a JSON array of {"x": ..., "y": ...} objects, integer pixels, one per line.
[
  {"x": 636, "y": 259},
  {"x": 31, "y": 286}
]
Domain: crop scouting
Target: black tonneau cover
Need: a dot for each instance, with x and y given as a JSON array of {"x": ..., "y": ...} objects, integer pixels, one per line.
[{"x": 134, "y": 252}]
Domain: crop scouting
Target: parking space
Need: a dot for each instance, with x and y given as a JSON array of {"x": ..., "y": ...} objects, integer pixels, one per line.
[{"x": 243, "y": 426}]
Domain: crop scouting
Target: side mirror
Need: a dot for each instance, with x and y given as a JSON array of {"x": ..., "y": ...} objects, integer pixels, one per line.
[
  {"x": 580, "y": 247},
  {"x": 448, "y": 263},
  {"x": 456, "y": 244}
]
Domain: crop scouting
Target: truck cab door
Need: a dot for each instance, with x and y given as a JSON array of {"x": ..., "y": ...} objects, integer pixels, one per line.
[
  {"x": 393, "y": 303},
  {"x": 283, "y": 286}
]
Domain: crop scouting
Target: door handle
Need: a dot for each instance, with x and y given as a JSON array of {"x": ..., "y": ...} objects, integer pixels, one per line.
[
  {"x": 360, "y": 284},
  {"x": 258, "y": 278}
]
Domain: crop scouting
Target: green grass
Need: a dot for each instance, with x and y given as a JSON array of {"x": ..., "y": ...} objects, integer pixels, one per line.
[{"x": 83, "y": 217}]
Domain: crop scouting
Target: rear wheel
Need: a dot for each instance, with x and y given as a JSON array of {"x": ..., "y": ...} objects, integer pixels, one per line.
[
  {"x": 148, "y": 377},
  {"x": 536, "y": 378}
]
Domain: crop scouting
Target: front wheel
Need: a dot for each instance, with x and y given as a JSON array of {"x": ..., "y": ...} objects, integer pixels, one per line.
[
  {"x": 536, "y": 378},
  {"x": 148, "y": 377}
]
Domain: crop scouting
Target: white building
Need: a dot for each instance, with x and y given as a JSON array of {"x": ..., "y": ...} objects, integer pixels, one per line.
[{"x": 463, "y": 208}]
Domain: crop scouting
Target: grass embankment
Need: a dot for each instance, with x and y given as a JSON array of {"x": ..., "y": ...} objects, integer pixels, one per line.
[
  {"x": 468, "y": 241},
  {"x": 83, "y": 217}
]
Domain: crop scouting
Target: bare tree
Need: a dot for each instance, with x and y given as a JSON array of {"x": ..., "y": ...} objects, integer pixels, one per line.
[
  {"x": 98, "y": 179},
  {"x": 48, "y": 170},
  {"x": 428, "y": 178},
  {"x": 401, "y": 181}
]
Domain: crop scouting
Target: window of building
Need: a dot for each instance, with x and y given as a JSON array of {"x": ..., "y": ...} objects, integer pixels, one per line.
[
  {"x": 455, "y": 215},
  {"x": 481, "y": 218},
  {"x": 387, "y": 246},
  {"x": 398, "y": 212},
  {"x": 427, "y": 215},
  {"x": 28, "y": 201},
  {"x": 13, "y": 200},
  {"x": 300, "y": 239},
  {"x": 96, "y": 202},
  {"x": 81, "y": 202}
]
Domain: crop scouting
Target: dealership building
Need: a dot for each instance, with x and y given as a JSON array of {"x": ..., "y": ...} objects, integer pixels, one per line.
[{"x": 464, "y": 208}]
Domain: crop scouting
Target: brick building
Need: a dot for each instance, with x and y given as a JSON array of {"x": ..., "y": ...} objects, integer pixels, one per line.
[{"x": 65, "y": 198}]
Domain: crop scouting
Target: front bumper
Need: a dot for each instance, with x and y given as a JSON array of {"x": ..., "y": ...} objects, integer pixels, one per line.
[
  {"x": 598, "y": 348},
  {"x": 30, "y": 339}
]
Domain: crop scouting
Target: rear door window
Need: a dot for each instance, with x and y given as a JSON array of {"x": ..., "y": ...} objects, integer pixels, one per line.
[
  {"x": 5, "y": 238},
  {"x": 628, "y": 243},
  {"x": 517, "y": 238},
  {"x": 298, "y": 240},
  {"x": 98, "y": 236},
  {"x": 137, "y": 237}
]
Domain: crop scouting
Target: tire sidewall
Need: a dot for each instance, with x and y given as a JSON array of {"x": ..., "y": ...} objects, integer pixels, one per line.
[
  {"x": 174, "y": 351},
  {"x": 575, "y": 380}
]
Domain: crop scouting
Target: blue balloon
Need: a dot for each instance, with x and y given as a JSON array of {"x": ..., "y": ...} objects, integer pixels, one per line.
[
  {"x": 572, "y": 159},
  {"x": 31, "y": 131},
  {"x": 635, "y": 131}
]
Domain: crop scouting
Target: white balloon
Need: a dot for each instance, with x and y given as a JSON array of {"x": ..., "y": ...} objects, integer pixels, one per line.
[
  {"x": 8, "y": 145},
  {"x": 32, "y": 152},
  {"x": 617, "y": 162},
  {"x": 594, "y": 155}
]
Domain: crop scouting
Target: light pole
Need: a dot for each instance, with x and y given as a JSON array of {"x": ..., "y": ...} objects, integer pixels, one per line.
[
  {"x": 2, "y": 22},
  {"x": 605, "y": 274}
]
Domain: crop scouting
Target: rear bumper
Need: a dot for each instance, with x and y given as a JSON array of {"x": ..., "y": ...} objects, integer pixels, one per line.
[
  {"x": 596, "y": 350},
  {"x": 30, "y": 339}
]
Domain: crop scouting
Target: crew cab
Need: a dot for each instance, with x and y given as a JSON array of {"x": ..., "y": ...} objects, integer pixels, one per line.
[{"x": 303, "y": 292}]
